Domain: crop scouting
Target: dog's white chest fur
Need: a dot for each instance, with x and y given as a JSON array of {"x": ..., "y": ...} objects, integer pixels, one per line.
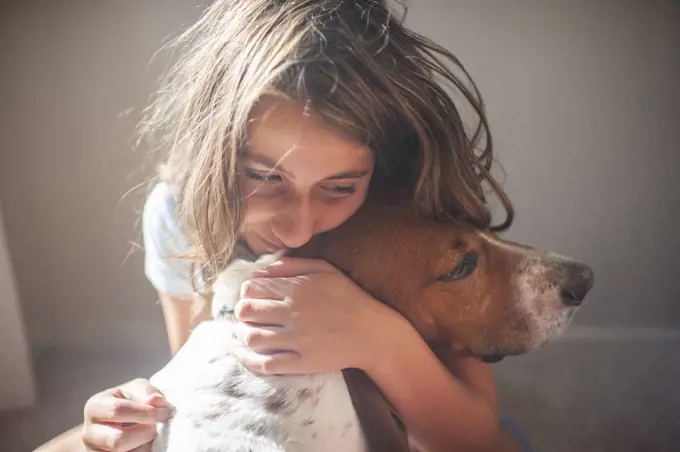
[{"x": 222, "y": 407}]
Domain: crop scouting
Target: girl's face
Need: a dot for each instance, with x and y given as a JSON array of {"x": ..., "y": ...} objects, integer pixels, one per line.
[{"x": 299, "y": 178}]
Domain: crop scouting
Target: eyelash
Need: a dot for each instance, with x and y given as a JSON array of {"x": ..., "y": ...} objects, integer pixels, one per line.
[
  {"x": 261, "y": 177},
  {"x": 274, "y": 178},
  {"x": 345, "y": 190}
]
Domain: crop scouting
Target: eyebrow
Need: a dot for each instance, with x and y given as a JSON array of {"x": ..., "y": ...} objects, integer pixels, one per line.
[{"x": 272, "y": 164}]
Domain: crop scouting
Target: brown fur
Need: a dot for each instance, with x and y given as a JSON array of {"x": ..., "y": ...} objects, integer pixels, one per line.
[{"x": 396, "y": 255}]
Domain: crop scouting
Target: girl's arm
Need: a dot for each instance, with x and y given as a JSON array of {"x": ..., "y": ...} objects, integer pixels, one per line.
[
  {"x": 441, "y": 412},
  {"x": 181, "y": 316}
]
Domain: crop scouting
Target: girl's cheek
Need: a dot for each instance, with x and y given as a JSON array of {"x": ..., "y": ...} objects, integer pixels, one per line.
[
  {"x": 341, "y": 212},
  {"x": 259, "y": 208}
]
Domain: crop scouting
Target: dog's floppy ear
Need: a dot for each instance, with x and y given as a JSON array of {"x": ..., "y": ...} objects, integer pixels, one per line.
[{"x": 384, "y": 431}]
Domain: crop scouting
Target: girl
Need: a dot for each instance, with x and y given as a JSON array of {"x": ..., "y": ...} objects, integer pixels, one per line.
[{"x": 277, "y": 122}]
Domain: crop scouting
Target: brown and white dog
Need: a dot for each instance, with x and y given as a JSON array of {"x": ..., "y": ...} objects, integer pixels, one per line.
[{"x": 460, "y": 287}]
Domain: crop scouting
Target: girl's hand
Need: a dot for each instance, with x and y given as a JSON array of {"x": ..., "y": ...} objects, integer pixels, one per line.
[
  {"x": 122, "y": 419},
  {"x": 301, "y": 316}
]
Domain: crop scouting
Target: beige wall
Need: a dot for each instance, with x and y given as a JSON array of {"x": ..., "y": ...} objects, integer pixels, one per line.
[
  {"x": 16, "y": 372},
  {"x": 69, "y": 70},
  {"x": 583, "y": 101}
]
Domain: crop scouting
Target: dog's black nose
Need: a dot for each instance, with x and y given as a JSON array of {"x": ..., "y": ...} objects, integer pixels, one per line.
[{"x": 578, "y": 280}]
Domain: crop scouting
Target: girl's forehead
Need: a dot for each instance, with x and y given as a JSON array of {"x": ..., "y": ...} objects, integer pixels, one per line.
[{"x": 285, "y": 135}]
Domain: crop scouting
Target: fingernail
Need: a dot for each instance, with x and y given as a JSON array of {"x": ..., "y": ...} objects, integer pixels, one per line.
[
  {"x": 269, "y": 265},
  {"x": 245, "y": 287},
  {"x": 163, "y": 416},
  {"x": 157, "y": 400},
  {"x": 166, "y": 415}
]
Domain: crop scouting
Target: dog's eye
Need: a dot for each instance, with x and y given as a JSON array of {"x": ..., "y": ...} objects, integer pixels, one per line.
[{"x": 466, "y": 266}]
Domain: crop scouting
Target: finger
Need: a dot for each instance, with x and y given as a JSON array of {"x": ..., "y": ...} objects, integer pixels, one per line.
[
  {"x": 142, "y": 391},
  {"x": 262, "y": 339},
  {"x": 266, "y": 288},
  {"x": 289, "y": 267},
  {"x": 285, "y": 362},
  {"x": 262, "y": 312},
  {"x": 114, "y": 438},
  {"x": 109, "y": 408}
]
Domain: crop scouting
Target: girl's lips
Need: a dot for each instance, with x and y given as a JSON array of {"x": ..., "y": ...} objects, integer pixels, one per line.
[{"x": 271, "y": 247}]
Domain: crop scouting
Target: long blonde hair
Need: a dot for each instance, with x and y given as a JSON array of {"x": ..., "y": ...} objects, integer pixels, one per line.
[{"x": 357, "y": 67}]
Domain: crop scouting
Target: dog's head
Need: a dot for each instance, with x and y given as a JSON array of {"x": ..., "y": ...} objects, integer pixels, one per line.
[{"x": 457, "y": 285}]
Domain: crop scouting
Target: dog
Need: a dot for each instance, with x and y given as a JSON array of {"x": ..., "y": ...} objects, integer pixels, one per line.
[{"x": 460, "y": 287}]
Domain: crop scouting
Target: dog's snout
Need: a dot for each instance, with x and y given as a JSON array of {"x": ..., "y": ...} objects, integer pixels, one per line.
[{"x": 578, "y": 280}]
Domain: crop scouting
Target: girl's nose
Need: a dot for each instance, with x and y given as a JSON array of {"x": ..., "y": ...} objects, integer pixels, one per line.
[{"x": 297, "y": 223}]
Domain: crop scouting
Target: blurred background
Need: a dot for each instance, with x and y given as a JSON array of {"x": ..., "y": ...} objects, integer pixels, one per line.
[{"x": 584, "y": 105}]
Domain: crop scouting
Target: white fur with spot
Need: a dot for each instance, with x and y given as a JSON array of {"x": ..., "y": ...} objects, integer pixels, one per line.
[{"x": 222, "y": 407}]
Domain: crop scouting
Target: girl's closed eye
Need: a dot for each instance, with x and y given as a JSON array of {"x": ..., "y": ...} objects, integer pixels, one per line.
[
  {"x": 266, "y": 177},
  {"x": 340, "y": 190},
  {"x": 269, "y": 177}
]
